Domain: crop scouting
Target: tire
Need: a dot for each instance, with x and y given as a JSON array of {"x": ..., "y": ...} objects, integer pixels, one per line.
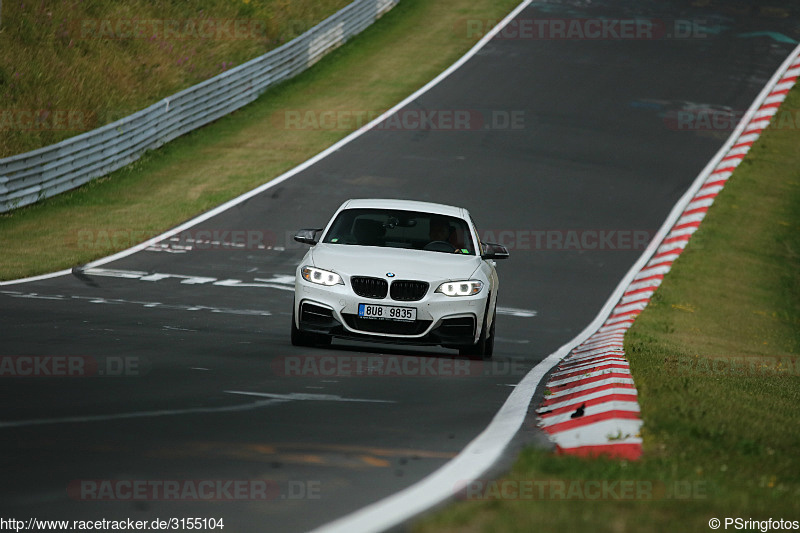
[
  {"x": 302, "y": 338},
  {"x": 484, "y": 348}
]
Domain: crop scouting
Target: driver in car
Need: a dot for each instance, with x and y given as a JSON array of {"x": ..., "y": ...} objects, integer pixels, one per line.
[{"x": 441, "y": 231}]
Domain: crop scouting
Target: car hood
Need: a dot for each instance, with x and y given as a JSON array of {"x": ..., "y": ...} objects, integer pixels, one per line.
[{"x": 351, "y": 260}]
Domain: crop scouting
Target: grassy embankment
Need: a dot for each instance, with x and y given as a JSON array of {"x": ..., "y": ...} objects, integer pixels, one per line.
[{"x": 97, "y": 61}]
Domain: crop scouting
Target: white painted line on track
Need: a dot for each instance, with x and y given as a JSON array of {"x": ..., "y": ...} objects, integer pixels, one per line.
[
  {"x": 513, "y": 311},
  {"x": 37, "y": 278}
]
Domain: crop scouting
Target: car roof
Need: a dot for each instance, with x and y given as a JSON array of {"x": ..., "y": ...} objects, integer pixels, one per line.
[{"x": 405, "y": 205}]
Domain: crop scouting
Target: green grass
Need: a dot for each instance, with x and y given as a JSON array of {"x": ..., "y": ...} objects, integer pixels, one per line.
[
  {"x": 722, "y": 440},
  {"x": 196, "y": 172},
  {"x": 81, "y": 57}
]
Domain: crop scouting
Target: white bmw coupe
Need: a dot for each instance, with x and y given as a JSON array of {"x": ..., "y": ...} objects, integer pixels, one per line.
[{"x": 398, "y": 271}]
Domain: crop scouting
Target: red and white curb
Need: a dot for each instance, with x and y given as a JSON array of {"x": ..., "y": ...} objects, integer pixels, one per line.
[{"x": 590, "y": 405}]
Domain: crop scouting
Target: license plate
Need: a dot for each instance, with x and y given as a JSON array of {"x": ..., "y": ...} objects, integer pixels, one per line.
[{"x": 387, "y": 312}]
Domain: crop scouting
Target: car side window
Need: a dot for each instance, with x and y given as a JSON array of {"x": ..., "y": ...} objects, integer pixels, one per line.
[{"x": 477, "y": 235}]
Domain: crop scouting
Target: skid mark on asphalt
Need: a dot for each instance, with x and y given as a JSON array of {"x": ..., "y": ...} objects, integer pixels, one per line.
[
  {"x": 302, "y": 396},
  {"x": 340, "y": 456},
  {"x": 140, "y": 414},
  {"x": 273, "y": 399},
  {"x": 276, "y": 454}
]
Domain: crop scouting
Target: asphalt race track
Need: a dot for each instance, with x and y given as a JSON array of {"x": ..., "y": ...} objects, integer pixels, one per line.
[{"x": 566, "y": 139}]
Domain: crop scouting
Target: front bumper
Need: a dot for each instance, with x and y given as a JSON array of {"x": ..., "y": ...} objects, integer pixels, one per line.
[{"x": 441, "y": 320}]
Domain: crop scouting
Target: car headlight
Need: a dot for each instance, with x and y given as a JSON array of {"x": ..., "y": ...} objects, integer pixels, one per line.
[
  {"x": 321, "y": 277},
  {"x": 460, "y": 288}
]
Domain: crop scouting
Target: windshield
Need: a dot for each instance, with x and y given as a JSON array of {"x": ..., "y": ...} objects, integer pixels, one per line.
[{"x": 393, "y": 228}]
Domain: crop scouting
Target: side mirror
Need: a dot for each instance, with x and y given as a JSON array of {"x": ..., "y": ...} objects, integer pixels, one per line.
[
  {"x": 307, "y": 236},
  {"x": 494, "y": 251}
]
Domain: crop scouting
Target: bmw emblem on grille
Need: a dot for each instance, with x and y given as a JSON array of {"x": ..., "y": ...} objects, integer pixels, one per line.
[{"x": 390, "y": 274}]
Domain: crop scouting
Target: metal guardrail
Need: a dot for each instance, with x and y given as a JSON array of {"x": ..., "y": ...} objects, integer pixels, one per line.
[{"x": 29, "y": 177}]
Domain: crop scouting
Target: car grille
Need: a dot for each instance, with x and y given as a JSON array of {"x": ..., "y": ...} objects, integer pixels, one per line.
[
  {"x": 389, "y": 327},
  {"x": 369, "y": 287},
  {"x": 408, "y": 291}
]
